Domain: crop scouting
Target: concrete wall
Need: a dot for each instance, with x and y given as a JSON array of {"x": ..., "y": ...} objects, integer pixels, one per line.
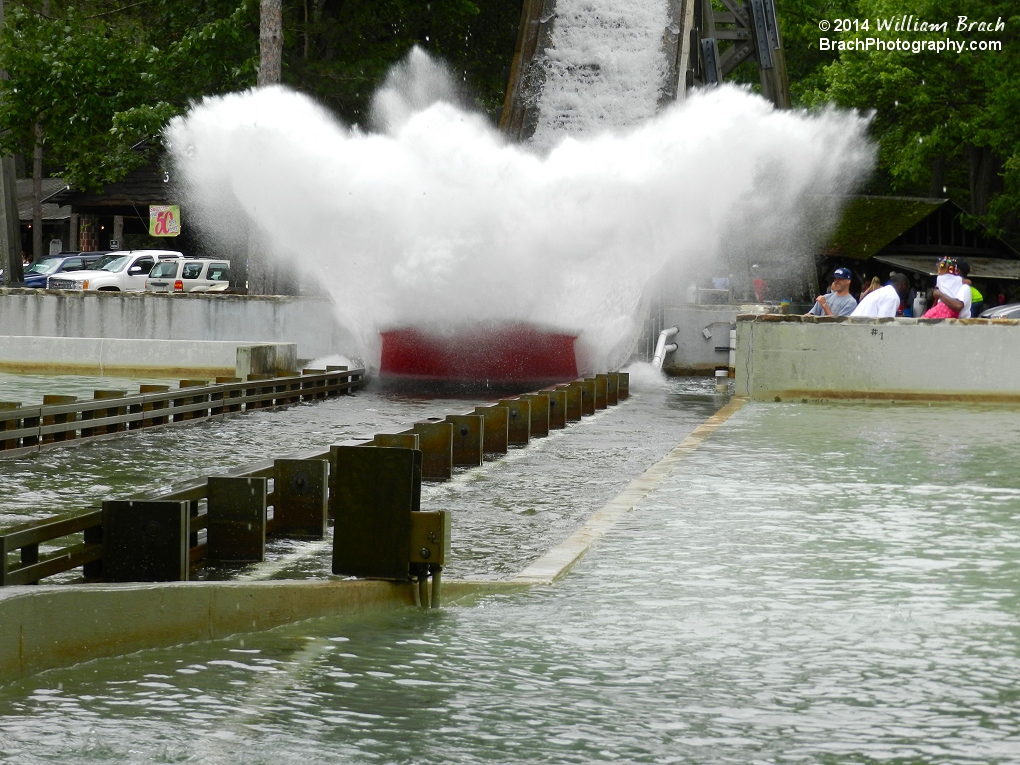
[
  {"x": 696, "y": 354},
  {"x": 308, "y": 322},
  {"x": 108, "y": 620},
  {"x": 118, "y": 357},
  {"x": 781, "y": 357}
]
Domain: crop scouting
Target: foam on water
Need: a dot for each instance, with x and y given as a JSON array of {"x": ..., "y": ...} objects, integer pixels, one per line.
[
  {"x": 603, "y": 68},
  {"x": 435, "y": 221}
]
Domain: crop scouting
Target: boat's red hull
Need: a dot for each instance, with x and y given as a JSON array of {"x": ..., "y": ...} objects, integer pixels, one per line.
[{"x": 509, "y": 353}]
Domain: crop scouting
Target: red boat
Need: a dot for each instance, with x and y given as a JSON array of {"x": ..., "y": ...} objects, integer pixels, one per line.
[{"x": 500, "y": 354}]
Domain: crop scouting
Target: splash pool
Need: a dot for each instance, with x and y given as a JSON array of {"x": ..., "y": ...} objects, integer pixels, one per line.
[{"x": 815, "y": 583}]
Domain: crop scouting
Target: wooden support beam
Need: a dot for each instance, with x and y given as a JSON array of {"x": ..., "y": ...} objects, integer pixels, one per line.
[
  {"x": 539, "y": 413},
  {"x": 374, "y": 492},
  {"x": 301, "y": 497},
  {"x": 467, "y": 439},
  {"x": 237, "y": 519},
  {"x": 518, "y": 420},
  {"x": 435, "y": 440},
  {"x": 496, "y": 425},
  {"x": 557, "y": 407},
  {"x": 145, "y": 541}
]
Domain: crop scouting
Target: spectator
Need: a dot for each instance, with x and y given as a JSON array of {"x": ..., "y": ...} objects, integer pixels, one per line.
[
  {"x": 838, "y": 301},
  {"x": 761, "y": 287},
  {"x": 885, "y": 301},
  {"x": 977, "y": 300},
  {"x": 947, "y": 283},
  {"x": 953, "y": 296},
  {"x": 870, "y": 287}
]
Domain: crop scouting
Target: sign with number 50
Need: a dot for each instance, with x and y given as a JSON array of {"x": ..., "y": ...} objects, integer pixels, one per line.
[{"x": 164, "y": 220}]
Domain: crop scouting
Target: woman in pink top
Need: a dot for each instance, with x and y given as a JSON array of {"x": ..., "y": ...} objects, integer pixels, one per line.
[{"x": 948, "y": 282}]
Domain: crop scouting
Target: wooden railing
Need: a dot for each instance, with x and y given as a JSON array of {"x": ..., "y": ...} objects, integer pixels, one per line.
[
  {"x": 64, "y": 421},
  {"x": 76, "y": 541}
]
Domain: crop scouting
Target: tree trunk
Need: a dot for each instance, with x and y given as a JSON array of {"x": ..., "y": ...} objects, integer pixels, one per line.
[
  {"x": 259, "y": 265},
  {"x": 270, "y": 42},
  {"x": 10, "y": 224},
  {"x": 37, "y": 170},
  {"x": 983, "y": 171}
]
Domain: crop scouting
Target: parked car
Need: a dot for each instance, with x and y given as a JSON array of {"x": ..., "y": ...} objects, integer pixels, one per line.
[
  {"x": 38, "y": 272},
  {"x": 189, "y": 275},
  {"x": 117, "y": 272},
  {"x": 1008, "y": 311}
]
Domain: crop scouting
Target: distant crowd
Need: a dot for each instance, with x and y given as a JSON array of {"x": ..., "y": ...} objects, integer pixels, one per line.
[{"x": 953, "y": 296}]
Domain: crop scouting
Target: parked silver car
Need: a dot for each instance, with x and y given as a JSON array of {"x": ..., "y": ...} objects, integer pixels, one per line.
[
  {"x": 1008, "y": 311},
  {"x": 189, "y": 275}
]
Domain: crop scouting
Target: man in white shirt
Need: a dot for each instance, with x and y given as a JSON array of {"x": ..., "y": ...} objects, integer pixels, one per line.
[{"x": 885, "y": 301}]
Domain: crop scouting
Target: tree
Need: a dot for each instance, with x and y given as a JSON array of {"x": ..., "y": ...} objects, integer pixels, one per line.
[
  {"x": 84, "y": 91},
  {"x": 945, "y": 120}
]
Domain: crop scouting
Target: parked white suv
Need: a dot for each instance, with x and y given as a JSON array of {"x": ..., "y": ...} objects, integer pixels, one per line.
[
  {"x": 117, "y": 272},
  {"x": 189, "y": 275}
]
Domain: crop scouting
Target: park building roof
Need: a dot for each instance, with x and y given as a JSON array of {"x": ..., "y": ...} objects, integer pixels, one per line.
[
  {"x": 52, "y": 211},
  {"x": 143, "y": 186},
  {"x": 883, "y": 227},
  {"x": 980, "y": 268}
]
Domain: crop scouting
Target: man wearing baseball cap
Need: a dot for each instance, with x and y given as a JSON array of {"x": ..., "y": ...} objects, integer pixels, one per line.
[{"x": 837, "y": 302}]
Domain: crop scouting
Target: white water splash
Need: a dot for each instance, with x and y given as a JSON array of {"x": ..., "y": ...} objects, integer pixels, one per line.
[{"x": 436, "y": 222}]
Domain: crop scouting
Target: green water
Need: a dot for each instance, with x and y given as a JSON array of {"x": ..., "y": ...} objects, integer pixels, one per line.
[
  {"x": 815, "y": 584},
  {"x": 29, "y": 390}
]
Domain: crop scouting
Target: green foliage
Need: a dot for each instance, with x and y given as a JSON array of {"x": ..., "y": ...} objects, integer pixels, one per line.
[
  {"x": 798, "y": 21},
  {"x": 97, "y": 85},
  {"x": 340, "y": 50},
  {"x": 945, "y": 121},
  {"x": 101, "y": 76}
]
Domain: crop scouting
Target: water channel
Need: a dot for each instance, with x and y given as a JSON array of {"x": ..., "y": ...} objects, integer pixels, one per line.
[
  {"x": 815, "y": 583},
  {"x": 508, "y": 512}
]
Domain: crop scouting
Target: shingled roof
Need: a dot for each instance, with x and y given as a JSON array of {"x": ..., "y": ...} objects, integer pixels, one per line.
[
  {"x": 51, "y": 211},
  {"x": 145, "y": 185},
  {"x": 910, "y": 226},
  {"x": 870, "y": 223}
]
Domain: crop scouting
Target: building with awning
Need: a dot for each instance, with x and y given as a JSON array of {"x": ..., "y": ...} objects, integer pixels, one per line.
[
  {"x": 877, "y": 235},
  {"x": 119, "y": 211}
]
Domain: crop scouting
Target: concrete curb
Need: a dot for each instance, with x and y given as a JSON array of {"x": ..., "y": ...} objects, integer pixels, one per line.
[
  {"x": 560, "y": 559},
  {"x": 125, "y": 357}
]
